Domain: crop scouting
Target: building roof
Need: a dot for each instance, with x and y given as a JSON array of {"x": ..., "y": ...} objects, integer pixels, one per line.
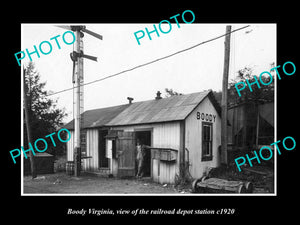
[
  {"x": 98, "y": 117},
  {"x": 174, "y": 108},
  {"x": 169, "y": 109}
]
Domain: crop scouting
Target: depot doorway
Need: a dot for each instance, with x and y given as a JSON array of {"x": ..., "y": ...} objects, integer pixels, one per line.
[{"x": 145, "y": 138}]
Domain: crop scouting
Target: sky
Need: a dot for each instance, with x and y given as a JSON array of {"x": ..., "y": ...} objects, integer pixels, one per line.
[{"x": 195, "y": 70}]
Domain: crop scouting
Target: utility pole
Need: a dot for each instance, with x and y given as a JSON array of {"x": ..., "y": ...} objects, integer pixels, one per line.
[
  {"x": 77, "y": 58},
  {"x": 76, "y": 95},
  {"x": 224, "y": 97},
  {"x": 27, "y": 112}
]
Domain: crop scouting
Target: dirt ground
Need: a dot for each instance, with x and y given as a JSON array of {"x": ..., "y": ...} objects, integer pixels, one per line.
[
  {"x": 91, "y": 184},
  {"x": 262, "y": 178},
  {"x": 61, "y": 183}
]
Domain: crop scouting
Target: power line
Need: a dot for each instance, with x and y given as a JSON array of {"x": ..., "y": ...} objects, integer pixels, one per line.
[{"x": 148, "y": 63}]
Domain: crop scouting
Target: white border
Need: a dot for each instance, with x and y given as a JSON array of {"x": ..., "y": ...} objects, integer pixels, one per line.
[{"x": 181, "y": 195}]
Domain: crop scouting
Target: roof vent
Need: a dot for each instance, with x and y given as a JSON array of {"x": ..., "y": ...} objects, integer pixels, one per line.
[
  {"x": 130, "y": 100},
  {"x": 158, "y": 95}
]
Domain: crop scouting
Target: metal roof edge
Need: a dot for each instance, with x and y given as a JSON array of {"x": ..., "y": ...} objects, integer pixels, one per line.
[{"x": 210, "y": 91}]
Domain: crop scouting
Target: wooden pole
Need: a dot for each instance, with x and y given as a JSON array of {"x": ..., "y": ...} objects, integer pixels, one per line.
[
  {"x": 27, "y": 112},
  {"x": 257, "y": 126},
  {"x": 224, "y": 103},
  {"x": 77, "y": 158}
]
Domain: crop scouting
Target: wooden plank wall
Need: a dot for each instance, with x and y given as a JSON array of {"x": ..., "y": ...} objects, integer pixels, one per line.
[
  {"x": 193, "y": 140},
  {"x": 92, "y": 149},
  {"x": 166, "y": 135},
  {"x": 90, "y": 164},
  {"x": 163, "y": 172}
]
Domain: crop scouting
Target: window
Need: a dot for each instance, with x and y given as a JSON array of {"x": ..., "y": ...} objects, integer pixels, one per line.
[{"x": 207, "y": 141}]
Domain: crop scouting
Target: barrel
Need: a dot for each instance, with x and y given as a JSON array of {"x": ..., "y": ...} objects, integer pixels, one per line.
[{"x": 70, "y": 168}]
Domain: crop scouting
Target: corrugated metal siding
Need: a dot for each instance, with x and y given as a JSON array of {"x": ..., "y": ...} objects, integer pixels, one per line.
[{"x": 92, "y": 149}]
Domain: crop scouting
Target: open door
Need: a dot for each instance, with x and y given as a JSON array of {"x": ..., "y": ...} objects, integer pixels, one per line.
[{"x": 126, "y": 154}]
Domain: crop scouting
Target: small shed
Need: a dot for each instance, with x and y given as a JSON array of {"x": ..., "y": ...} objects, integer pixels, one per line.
[
  {"x": 44, "y": 163},
  {"x": 180, "y": 130},
  {"x": 252, "y": 123}
]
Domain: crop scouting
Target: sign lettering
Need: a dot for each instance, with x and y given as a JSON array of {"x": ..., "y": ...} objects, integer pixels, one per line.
[{"x": 206, "y": 117}]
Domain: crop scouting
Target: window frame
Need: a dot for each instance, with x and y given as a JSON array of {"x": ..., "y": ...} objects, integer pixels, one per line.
[{"x": 207, "y": 157}]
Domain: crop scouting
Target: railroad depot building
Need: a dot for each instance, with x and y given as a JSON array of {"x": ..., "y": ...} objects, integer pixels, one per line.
[{"x": 180, "y": 130}]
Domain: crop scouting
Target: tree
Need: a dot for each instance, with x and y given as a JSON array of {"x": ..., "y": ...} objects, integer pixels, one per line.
[
  {"x": 44, "y": 116},
  {"x": 264, "y": 93},
  {"x": 170, "y": 92}
]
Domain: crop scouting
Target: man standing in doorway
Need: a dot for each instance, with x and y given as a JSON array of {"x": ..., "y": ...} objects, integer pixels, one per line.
[{"x": 140, "y": 158}]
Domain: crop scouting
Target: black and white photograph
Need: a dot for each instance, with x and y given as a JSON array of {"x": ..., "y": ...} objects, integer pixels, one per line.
[
  {"x": 167, "y": 112},
  {"x": 141, "y": 106}
]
